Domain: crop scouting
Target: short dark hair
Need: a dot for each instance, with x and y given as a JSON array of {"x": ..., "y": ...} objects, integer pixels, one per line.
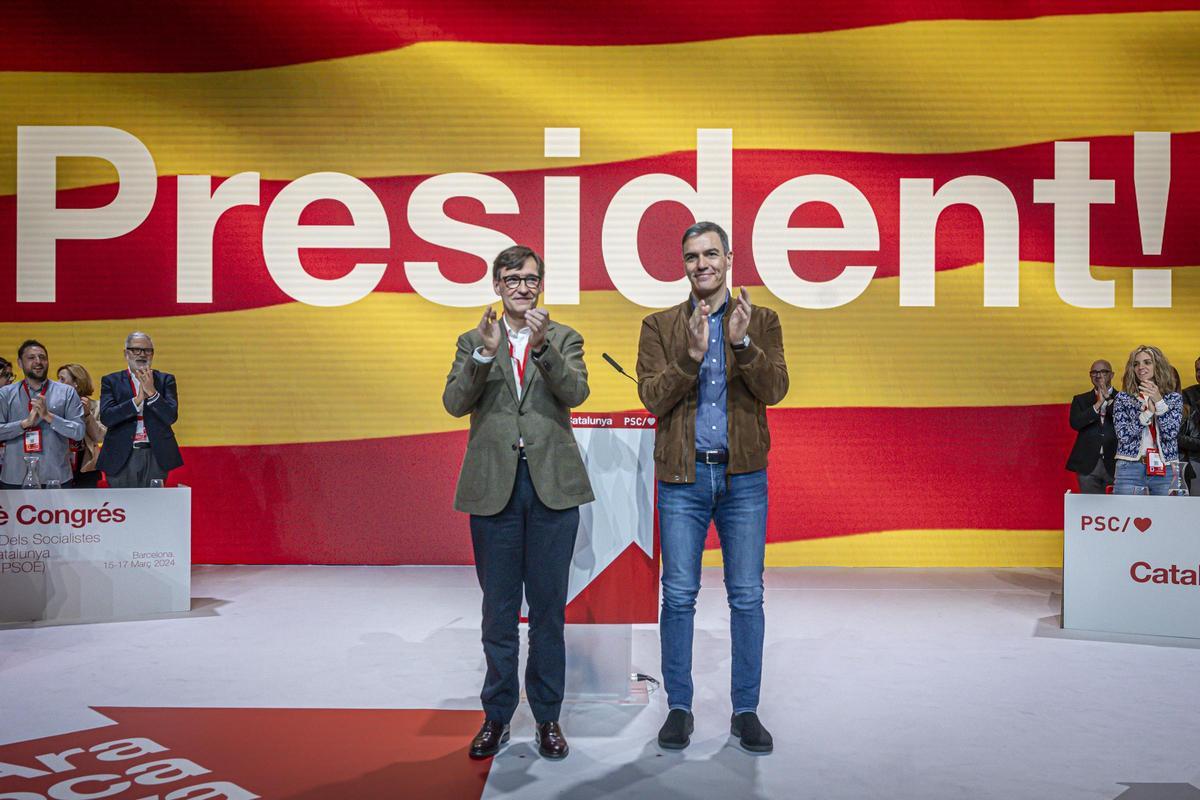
[
  {"x": 4, "y": 362},
  {"x": 28, "y": 343},
  {"x": 514, "y": 258},
  {"x": 706, "y": 227}
]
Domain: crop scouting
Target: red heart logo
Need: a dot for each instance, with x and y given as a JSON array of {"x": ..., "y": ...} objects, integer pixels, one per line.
[{"x": 1142, "y": 524}]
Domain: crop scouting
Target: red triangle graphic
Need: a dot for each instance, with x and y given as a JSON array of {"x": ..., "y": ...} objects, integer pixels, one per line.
[{"x": 625, "y": 592}]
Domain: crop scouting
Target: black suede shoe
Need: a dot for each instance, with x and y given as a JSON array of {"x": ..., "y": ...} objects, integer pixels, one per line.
[
  {"x": 752, "y": 736},
  {"x": 550, "y": 740},
  {"x": 676, "y": 732},
  {"x": 487, "y": 742}
]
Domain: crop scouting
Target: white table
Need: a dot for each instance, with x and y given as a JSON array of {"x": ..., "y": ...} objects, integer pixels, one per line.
[
  {"x": 88, "y": 555},
  {"x": 1131, "y": 564}
]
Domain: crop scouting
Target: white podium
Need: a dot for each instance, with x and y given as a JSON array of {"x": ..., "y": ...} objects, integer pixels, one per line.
[
  {"x": 614, "y": 570},
  {"x": 88, "y": 555},
  {"x": 1131, "y": 564}
]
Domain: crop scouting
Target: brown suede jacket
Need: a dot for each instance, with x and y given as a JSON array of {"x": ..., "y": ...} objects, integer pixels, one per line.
[{"x": 756, "y": 377}]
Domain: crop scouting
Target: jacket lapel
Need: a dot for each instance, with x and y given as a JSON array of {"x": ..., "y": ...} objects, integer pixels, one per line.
[
  {"x": 730, "y": 366},
  {"x": 531, "y": 370}
]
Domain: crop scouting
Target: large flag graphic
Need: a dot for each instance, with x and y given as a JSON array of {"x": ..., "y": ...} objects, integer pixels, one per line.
[{"x": 954, "y": 208}]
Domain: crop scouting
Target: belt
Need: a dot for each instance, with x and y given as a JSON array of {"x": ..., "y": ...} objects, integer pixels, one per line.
[
  {"x": 141, "y": 445},
  {"x": 712, "y": 456}
]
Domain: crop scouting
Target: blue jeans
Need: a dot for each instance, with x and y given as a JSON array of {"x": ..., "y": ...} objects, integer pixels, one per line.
[
  {"x": 1133, "y": 473},
  {"x": 739, "y": 510}
]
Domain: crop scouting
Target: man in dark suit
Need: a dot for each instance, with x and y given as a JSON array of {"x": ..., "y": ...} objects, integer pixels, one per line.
[
  {"x": 1189, "y": 433},
  {"x": 1092, "y": 458},
  {"x": 522, "y": 481},
  {"x": 1191, "y": 395},
  {"x": 138, "y": 405}
]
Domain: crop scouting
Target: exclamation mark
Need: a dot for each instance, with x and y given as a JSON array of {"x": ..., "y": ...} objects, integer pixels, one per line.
[{"x": 1151, "y": 183}]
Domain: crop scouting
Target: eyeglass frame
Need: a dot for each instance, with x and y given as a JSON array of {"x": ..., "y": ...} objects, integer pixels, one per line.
[
  {"x": 140, "y": 351},
  {"x": 532, "y": 281}
]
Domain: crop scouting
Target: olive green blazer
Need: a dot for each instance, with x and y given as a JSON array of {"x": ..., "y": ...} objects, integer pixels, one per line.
[{"x": 554, "y": 384}]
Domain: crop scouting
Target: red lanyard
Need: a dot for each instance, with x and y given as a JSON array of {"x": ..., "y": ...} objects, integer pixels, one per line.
[
  {"x": 42, "y": 393},
  {"x": 520, "y": 364}
]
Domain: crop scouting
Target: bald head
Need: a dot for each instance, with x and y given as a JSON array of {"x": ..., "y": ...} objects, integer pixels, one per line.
[{"x": 1101, "y": 373}]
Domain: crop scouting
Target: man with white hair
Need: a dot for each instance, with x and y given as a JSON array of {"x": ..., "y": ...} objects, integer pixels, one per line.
[{"x": 138, "y": 405}]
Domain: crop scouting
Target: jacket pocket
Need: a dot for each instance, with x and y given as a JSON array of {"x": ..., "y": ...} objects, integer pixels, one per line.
[
  {"x": 571, "y": 474},
  {"x": 472, "y": 478}
]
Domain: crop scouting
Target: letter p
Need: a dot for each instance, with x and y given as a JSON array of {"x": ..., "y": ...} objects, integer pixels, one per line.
[{"x": 40, "y": 224}]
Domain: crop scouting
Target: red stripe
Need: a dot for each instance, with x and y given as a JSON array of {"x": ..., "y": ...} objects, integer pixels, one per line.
[
  {"x": 134, "y": 275},
  {"x": 626, "y": 591},
  {"x": 225, "y": 35},
  {"x": 833, "y": 472}
]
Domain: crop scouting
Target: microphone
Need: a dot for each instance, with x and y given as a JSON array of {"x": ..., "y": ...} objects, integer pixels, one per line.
[{"x": 617, "y": 367}]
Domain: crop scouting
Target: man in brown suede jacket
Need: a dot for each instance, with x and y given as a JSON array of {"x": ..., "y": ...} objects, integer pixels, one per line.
[{"x": 708, "y": 368}]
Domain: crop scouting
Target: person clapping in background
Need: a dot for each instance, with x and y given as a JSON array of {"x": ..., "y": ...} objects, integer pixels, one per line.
[
  {"x": 38, "y": 418},
  {"x": 138, "y": 405},
  {"x": 1148, "y": 414},
  {"x": 85, "y": 451}
]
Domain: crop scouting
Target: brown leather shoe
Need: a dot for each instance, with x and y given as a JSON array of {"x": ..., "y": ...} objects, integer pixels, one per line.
[
  {"x": 487, "y": 742},
  {"x": 551, "y": 742}
]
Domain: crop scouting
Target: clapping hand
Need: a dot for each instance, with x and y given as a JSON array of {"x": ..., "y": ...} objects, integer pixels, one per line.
[
  {"x": 1150, "y": 390},
  {"x": 698, "y": 332},
  {"x": 146, "y": 377},
  {"x": 37, "y": 406},
  {"x": 739, "y": 320},
  {"x": 538, "y": 320},
  {"x": 489, "y": 331}
]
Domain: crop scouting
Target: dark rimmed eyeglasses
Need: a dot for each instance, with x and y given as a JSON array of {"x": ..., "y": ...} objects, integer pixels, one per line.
[
  {"x": 141, "y": 351},
  {"x": 513, "y": 281},
  {"x": 1096, "y": 372}
]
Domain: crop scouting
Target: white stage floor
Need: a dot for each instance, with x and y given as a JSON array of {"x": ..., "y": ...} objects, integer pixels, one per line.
[{"x": 878, "y": 684}]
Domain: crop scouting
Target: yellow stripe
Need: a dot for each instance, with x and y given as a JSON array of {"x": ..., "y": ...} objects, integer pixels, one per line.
[
  {"x": 920, "y": 87},
  {"x": 923, "y": 548},
  {"x": 376, "y": 368}
]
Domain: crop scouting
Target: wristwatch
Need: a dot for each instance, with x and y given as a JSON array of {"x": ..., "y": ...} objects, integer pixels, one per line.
[{"x": 743, "y": 344}]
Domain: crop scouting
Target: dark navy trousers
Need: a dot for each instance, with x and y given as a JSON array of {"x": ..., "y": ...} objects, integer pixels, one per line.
[{"x": 528, "y": 547}]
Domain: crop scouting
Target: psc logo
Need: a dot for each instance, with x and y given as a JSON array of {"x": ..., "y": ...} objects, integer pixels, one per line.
[{"x": 1104, "y": 524}]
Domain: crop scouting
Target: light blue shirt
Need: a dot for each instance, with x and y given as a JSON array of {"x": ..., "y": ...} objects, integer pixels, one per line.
[
  {"x": 55, "y": 459},
  {"x": 712, "y": 426}
]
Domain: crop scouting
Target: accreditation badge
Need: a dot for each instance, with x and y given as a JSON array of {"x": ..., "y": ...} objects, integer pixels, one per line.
[
  {"x": 1154, "y": 462},
  {"x": 33, "y": 440}
]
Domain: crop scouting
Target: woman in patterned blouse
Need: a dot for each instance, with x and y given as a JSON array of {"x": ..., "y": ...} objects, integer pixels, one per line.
[{"x": 1147, "y": 414}]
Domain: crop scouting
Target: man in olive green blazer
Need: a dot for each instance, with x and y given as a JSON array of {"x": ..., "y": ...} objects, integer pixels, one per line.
[{"x": 522, "y": 482}]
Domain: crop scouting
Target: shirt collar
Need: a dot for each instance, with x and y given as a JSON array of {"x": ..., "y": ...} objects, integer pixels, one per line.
[
  {"x": 521, "y": 334},
  {"x": 719, "y": 311}
]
